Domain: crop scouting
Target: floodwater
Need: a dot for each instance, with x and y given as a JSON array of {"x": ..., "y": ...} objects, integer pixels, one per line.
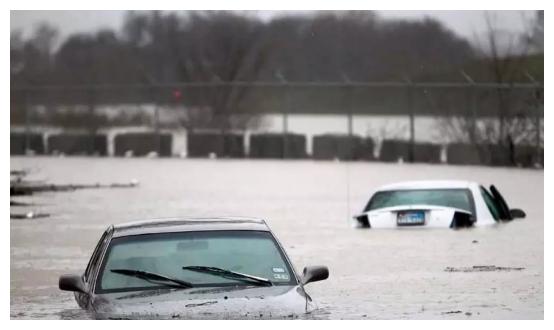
[{"x": 374, "y": 274}]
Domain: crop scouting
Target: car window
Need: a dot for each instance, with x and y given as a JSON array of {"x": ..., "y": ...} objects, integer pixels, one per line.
[
  {"x": 93, "y": 262},
  {"x": 457, "y": 198},
  {"x": 492, "y": 204},
  {"x": 249, "y": 252}
]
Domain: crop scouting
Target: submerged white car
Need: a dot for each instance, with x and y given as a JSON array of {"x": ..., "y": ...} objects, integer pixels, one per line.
[{"x": 446, "y": 204}]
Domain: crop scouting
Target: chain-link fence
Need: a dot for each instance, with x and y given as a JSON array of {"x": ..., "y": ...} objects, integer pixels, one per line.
[{"x": 459, "y": 122}]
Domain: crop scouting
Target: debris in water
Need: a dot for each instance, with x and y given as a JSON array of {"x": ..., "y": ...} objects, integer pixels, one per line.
[
  {"x": 18, "y": 188},
  {"x": 16, "y": 203},
  {"x": 18, "y": 172},
  {"x": 201, "y": 304},
  {"x": 28, "y": 215},
  {"x": 451, "y": 312},
  {"x": 475, "y": 241},
  {"x": 487, "y": 268}
]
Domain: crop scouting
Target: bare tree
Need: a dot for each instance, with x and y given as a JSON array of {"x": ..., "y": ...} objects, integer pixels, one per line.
[
  {"x": 209, "y": 47},
  {"x": 505, "y": 60}
]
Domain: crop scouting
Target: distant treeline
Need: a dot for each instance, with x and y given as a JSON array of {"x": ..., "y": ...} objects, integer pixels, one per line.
[{"x": 157, "y": 48}]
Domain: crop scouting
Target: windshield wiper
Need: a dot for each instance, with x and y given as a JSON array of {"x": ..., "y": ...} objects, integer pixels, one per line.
[
  {"x": 154, "y": 278},
  {"x": 229, "y": 274}
]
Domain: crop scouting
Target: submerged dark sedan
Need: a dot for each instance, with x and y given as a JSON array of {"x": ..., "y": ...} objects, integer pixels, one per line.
[{"x": 216, "y": 268}]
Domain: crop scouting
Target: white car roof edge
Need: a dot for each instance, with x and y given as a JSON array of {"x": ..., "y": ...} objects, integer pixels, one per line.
[{"x": 427, "y": 184}]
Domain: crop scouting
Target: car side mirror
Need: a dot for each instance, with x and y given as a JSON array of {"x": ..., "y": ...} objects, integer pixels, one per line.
[
  {"x": 314, "y": 274},
  {"x": 362, "y": 220},
  {"x": 517, "y": 213},
  {"x": 71, "y": 283}
]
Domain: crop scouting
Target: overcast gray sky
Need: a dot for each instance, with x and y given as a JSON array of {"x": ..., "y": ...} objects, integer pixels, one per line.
[{"x": 465, "y": 23}]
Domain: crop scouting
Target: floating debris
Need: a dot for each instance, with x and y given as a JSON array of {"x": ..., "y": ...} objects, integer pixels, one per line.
[
  {"x": 487, "y": 268},
  {"x": 19, "y": 186},
  {"x": 201, "y": 304},
  {"x": 452, "y": 312},
  {"x": 22, "y": 188},
  {"x": 19, "y": 172},
  {"x": 16, "y": 203},
  {"x": 28, "y": 215}
]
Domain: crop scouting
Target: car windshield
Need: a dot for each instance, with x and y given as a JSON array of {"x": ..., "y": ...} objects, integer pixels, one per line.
[
  {"x": 458, "y": 198},
  {"x": 254, "y": 253}
]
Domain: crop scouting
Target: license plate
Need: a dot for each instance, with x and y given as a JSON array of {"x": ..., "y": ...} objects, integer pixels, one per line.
[{"x": 410, "y": 218}]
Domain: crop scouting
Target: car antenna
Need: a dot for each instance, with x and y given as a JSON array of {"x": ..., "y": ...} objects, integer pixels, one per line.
[
  {"x": 350, "y": 157},
  {"x": 347, "y": 191}
]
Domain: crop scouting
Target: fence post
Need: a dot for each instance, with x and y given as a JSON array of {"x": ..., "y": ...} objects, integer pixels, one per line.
[
  {"x": 473, "y": 100},
  {"x": 537, "y": 116},
  {"x": 410, "y": 106},
  {"x": 286, "y": 122},
  {"x": 538, "y": 126},
  {"x": 93, "y": 121},
  {"x": 27, "y": 120},
  {"x": 473, "y": 107},
  {"x": 348, "y": 104},
  {"x": 286, "y": 109},
  {"x": 156, "y": 120},
  {"x": 350, "y": 126}
]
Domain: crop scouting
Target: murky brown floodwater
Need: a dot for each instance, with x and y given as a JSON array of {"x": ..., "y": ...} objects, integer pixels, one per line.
[{"x": 375, "y": 274}]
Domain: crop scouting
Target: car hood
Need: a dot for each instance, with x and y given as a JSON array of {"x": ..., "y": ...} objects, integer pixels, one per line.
[{"x": 206, "y": 303}]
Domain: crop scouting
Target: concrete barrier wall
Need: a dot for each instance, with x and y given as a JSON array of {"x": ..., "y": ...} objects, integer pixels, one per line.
[
  {"x": 203, "y": 144},
  {"x": 327, "y": 146},
  {"x": 272, "y": 146},
  {"x": 427, "y": 153},
  {"x": 526, "y": 156},
  {"x": 142, "y": 144},
  {"x": 343, "y": 147},
  {"x": 463, "y": 154},
  {"x": 78, "y": 144},
  {"x": 18, "y": 143},
  {"x": 478, "y": 154},
  {"x": 368, "y": 151},
  {"x": 498, "y": 155},
  {"x": 393, "y": 150}
]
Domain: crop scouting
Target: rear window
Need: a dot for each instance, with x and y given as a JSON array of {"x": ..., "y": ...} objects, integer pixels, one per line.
[{"x": 458, "y": 198}]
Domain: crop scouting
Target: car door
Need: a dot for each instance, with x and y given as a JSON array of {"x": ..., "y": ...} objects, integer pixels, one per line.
[{"x": 505, "y": 210}]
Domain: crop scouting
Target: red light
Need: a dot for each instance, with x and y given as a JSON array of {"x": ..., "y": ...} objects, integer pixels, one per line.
[{"x": 177, "y": 94}]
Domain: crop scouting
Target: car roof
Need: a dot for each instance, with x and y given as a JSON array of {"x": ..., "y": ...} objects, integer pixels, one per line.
[
  {"x": 428, "y": 184},
  {"x": 169, "y": 225}
]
